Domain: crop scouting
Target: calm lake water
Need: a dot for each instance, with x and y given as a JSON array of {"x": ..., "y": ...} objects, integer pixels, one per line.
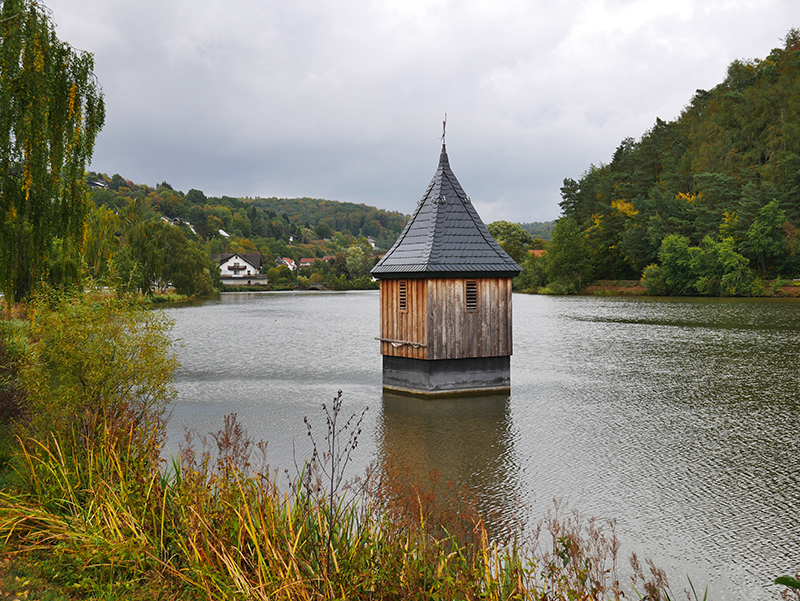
[{"x": 679, "y": 418}]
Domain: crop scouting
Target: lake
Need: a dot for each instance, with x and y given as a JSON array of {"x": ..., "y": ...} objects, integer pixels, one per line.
[{"x": 679, "y": 418}]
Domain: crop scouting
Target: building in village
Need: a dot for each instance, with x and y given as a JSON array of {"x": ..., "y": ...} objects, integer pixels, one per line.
[
  {"x": 240, "y": 269},
  {"x": 289, "y": 262},
  {"x": 445, "y": 297}
]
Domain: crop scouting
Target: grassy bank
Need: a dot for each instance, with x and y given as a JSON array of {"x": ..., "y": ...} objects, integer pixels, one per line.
[{"x": 88, "y": 509}]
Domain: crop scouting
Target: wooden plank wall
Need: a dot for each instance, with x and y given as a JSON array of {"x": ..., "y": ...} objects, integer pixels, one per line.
[
  {"x": 456, "y": 333},
  {"x": 410, "y": 325},
  {"x": 436, "y": 316}
]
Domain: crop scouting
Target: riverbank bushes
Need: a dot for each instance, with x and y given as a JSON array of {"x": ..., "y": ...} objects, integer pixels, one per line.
[{"x": 88, "y": 499}]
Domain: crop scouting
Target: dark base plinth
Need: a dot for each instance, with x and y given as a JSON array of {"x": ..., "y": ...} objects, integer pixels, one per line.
[{"x": 484, "y": 375}]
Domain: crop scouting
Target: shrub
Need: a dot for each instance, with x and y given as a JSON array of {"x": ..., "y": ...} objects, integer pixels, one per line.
[
  {"x": 653, "y": 281},
  {"x": 533, "y": 276},
  {"x": 758, "y": 288},
  {"x": 95, "y": 357},
  {"x": 14, "y": 348}
]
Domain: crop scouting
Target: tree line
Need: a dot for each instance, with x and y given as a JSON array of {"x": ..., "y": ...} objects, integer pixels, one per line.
[{"x": 706, "y": 204}]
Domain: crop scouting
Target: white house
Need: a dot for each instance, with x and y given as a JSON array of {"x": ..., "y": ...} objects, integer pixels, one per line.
[{"x": 240, "y": 269}]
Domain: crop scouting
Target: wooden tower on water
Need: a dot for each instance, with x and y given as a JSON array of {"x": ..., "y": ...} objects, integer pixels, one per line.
[{"x": 445, "y": 295}]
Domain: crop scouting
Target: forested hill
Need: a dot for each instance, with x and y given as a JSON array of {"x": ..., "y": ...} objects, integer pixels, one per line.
[
  {"x": 539, "y": 229},
  {"x": 726, "y": 172},
  {"x": 346, "y": 217},
  {"x": 256, "y": 219}
]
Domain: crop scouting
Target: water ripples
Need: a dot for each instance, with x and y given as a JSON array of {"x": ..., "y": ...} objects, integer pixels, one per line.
[{"x": 676, "y": 417}]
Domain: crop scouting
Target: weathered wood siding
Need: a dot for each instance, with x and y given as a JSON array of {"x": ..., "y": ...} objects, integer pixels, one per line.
[
  {"x": 456, "y": 333},
  {"x": 437, "y": 317},
  {"x": 410, "y": 325}
]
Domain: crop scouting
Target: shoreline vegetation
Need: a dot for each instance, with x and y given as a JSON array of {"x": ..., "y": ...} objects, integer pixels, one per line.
[
  {"x": 770, "y": 289},
  {"x": 89, "y": 509}
]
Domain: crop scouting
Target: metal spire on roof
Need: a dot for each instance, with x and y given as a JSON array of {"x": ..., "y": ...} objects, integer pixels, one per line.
[{"x": 444, "y": 127}]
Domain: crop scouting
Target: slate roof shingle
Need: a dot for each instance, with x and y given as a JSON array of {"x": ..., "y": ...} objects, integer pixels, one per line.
[{"x": 445, "y": 237}]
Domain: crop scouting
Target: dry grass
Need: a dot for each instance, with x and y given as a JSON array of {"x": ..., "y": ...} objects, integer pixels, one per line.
[{"x": 215, "y": 525}]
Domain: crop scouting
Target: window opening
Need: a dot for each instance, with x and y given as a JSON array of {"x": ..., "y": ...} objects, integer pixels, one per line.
[{"x": 471, "y": 296}]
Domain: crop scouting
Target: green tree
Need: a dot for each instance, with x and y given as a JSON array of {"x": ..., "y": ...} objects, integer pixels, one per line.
[
  {"x": 96, "y": 358},
  {"x": 720, "y": 270},
  {"x": 52, "y": 110},
  {"x": 765, "y": 235},
  {"x": 281, "y": 273},
  {"x": 653, "y": 280},
  {"x": 676, "y": 264},
  {"x": 534, "y": 274},
  {"x": 568, "y": 263},
  {"x": 102, "y": 244},
  {"x": 358, "y": 261},
  {"x": 323, "y": 230},
  {"x": 512, "y": 238}
]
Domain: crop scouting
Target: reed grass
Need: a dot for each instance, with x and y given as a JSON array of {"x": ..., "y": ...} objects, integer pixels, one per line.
[{"x": 211, "y": 525}]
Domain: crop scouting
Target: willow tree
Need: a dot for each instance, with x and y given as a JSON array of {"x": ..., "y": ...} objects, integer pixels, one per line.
[{"x": 51, "y": 109}]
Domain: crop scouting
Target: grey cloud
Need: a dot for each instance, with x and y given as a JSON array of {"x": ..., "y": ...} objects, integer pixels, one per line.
[{"x": 345, "y": 99}]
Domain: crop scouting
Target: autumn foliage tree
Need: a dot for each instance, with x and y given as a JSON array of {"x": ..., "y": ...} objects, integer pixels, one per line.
[
  {"x": 52, "y": 111},
  {"x": 722, "y": 182}
]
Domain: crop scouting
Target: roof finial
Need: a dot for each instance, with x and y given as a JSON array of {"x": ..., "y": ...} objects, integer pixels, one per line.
[{"x": 444, "y": 126}]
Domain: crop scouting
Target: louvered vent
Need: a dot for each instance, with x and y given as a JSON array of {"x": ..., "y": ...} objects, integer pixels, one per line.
[
  {"x": 472, "y": 295},
  {"x": 403, "y": 295}
]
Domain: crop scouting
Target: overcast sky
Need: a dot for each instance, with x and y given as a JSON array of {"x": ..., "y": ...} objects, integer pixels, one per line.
[{"x": 344, "y": 99}]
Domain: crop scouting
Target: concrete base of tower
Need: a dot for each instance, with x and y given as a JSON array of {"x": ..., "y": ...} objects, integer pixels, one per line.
[{"x": 447, "y": 377}]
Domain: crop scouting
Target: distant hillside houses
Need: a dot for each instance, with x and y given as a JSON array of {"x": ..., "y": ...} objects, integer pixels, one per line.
[
  {"x": 309, "y": 261},
  {"x": 178, "y": 221}
]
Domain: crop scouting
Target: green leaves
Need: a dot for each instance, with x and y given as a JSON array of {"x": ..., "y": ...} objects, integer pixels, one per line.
[
  {"x": 52, "y": 112},
  {"x": 714, "y": 268},
  {"x": 512, "y": 238},
  {"x": 788, "y": 581},
  {"x": 729, "y": 165},
  {"x": 568, "y": 261},
  {"x": 96, "y": 356}
]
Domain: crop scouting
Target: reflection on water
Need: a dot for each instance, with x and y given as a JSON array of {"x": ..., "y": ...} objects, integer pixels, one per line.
[
  {"x": 677, "y": 417},
  {"x": 467, "y": 440}
]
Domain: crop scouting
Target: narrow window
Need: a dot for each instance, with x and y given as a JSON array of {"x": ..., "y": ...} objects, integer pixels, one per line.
[
  {"x": 403, "y": 295},
  {"x": 471, "y": 295}
]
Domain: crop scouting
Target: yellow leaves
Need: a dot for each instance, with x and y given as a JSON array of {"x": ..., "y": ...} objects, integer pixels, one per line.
[
  {"x": 73, "y": 92},
  {"x": 38, "y": 57},
  {"x": 625, "y": 207},
  {"x": 728, "y": 224},
  {"x": 690, "y": 198},
  {"x": 27, "y": 180}
]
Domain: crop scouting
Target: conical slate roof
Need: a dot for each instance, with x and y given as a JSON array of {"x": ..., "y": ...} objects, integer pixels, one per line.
[{"x": 445, "y": 237}]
